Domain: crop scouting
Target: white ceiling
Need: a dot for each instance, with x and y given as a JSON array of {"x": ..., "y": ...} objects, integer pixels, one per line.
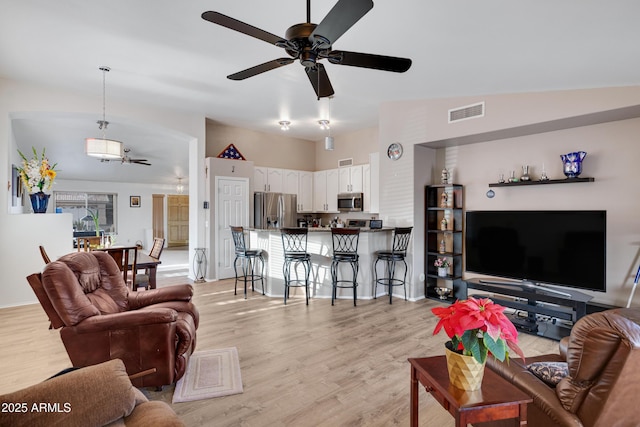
[{"x": 162, "y": 53}]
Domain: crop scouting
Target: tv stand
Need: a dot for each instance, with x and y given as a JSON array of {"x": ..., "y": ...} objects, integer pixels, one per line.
[{"x": 569, "y": 305}]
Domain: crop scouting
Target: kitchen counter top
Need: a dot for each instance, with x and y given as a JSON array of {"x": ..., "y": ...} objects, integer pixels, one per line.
[{"x": 325, "y": 229}]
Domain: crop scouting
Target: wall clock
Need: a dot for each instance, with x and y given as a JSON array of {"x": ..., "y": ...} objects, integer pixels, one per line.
[{"x": 394, "y": 152}]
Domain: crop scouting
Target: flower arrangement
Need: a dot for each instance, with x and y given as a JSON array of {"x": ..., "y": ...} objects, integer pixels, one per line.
[
  {"x": 37, "y": 173},
  {"x": 442, "y": 263},
  {"x": 477, "y": 327}
]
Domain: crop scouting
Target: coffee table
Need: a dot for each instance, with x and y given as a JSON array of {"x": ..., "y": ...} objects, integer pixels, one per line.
[{"x": 497, "y": 399}]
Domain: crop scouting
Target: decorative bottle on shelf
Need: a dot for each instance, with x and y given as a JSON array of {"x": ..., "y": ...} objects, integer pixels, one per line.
[
  {"x": 443, "y": 246},
  {"x": 443, "y": 224}
]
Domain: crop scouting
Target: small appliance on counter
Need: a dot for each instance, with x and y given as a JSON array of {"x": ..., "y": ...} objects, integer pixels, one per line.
[
  {"x": 375, "y": 224},
  {"x": 357, "y": 223}
]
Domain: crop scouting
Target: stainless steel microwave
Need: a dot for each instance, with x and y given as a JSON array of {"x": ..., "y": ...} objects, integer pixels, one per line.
[{"x": 350, "y": 202}]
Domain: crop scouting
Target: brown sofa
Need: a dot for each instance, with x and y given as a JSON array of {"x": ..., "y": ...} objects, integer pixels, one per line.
[
  {"x": 601, "y": 385},
  {"x": 93, "y": 396},
  {"x": 85, "y": 295}
]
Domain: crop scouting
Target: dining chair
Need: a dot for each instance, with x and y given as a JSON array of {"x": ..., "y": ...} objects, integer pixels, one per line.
[
  {"x": 142, "y": 279},
  {"x": 45, "y": 257}
]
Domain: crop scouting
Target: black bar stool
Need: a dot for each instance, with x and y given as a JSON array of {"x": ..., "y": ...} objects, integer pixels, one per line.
[
  {"x": 294, "y": 242},
  {"x": 401, "y": 237},
  {"x": 345, "y": 250},
  {"x": 248, "y": 258}
]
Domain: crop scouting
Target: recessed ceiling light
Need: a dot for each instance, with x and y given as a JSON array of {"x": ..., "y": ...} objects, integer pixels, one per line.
[{"x": 324, "y": 124}]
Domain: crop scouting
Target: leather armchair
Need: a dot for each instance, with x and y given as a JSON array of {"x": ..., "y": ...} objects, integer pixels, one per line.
[
  {"x": 603, "y": 360},
  {"x": 84, "y": 294}
]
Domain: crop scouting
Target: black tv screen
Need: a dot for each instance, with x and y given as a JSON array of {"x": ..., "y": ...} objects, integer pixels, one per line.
[{"x": 566, "y": 248}]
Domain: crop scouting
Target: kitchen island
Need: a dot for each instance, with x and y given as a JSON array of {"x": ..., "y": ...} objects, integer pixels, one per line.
[{"x": 320, "y": 247}]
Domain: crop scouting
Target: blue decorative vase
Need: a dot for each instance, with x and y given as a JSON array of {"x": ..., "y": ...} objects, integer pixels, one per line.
[
  {"x": 572, "y": 163},
  {"x": 39, "y": 202}
]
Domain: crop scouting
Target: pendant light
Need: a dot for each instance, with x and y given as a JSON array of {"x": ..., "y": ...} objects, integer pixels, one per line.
[
  {"x": 179, "y": 186},
  {"x": 324, "y": 124},
  {"x": 103, "y": 148}
]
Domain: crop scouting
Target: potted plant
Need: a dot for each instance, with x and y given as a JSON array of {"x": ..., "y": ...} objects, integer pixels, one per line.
[
  {"x": 442, "y": 264},
  {"x": 476, "y": 327},
  {"x": 37, "y": 174}
]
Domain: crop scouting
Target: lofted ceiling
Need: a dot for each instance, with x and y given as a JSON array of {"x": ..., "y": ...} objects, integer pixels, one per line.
[{"x": 162, "y": 53}]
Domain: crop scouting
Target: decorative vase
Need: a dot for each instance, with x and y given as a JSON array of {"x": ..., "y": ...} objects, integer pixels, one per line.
[
  {"x": 39, "y": 202},
  {"x": 572, "y": 163},
  {"x": 465, "y": 372},
  {"x": 442, "y": 271}
]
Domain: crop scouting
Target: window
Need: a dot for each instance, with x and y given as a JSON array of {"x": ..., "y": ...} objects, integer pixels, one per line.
[{"x": 79, "y": 203}]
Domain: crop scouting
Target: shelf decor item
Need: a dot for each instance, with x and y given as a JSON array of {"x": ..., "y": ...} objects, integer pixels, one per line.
[
  {"x": 572, "y": 163},
  {"x": 444, "y": 224},
  {"x": 37, "y": 175},
  {"x": 442, "y": 264},
  {"x": 475, "y": 328}
]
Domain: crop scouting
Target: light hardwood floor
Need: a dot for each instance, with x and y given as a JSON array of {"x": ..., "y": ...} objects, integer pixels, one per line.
[{"x": 313, "y": 365}]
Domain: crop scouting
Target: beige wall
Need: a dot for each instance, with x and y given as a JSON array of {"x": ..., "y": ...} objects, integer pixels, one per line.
[
  {"x": 272, "y": 150},
  {"x": 356, "y": 145},
  {"x": 612, "y": 150}
]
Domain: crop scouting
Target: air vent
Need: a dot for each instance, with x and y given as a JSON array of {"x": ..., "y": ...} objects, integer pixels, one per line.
[
  {"x": 345, "y": 163},
  {"x": 467, "y": 112}
]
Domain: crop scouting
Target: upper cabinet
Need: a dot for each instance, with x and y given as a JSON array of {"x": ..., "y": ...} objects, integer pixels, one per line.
[
  {"x": 325, "y": 191},
  {"x": 268, "y": 179},
  {"x": 299, "y": 183},
  {"x": 351, "y": 180}
]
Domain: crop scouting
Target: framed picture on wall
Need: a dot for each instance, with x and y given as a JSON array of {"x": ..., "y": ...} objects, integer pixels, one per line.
[{"x": 134, "y": 201}]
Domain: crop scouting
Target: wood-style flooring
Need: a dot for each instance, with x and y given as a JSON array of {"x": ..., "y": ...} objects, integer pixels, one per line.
[{"x": 301, "y": 365}]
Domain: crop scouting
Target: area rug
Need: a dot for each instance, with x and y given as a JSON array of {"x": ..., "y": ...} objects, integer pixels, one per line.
[{"x": 210, "y": 373}]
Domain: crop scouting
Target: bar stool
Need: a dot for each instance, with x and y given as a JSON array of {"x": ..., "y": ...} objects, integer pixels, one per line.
[
  {"x": 248, "y": 258},
  {"x": 401, "y": 237},
  {"x": 294, "y": 243},
  {"x": 345, "y": 250}
]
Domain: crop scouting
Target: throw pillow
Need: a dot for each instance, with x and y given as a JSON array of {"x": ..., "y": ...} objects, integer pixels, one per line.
[{"x": 549, "y": 372}]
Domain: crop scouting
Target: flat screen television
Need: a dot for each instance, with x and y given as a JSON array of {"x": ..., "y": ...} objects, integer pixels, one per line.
[{"x": 565, "y": 248}]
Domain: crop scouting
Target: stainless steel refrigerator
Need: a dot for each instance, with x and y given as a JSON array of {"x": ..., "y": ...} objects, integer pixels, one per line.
[{"x": 274, "y": 210}]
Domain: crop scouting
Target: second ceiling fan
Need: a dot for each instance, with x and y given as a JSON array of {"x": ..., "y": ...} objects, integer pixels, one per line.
[{"x": 309, "y": 43}]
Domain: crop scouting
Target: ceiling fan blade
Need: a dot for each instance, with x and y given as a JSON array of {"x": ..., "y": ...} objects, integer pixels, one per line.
[
  {"x": 258, "y": 69},
  {"x": 344, "y": 14},
  {"x": 141, "y": 162},
  {"x": 320, "y": 81},
  {"x": 367, "y": 60},
  {"x": 241, "y": 27}
]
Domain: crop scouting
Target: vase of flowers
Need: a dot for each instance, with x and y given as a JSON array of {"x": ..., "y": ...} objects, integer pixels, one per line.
[
  {"x": 442, "y": 264},
  {"x": 476, "y": 327},
  {"x": 37, "y": 175}
]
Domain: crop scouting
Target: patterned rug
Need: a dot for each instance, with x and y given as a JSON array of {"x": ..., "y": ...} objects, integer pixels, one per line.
[{"x": 210, "y": 373}]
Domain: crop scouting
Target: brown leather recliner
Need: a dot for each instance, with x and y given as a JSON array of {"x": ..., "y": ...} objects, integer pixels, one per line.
[
  {"x": 85, "y": 295},
  {"x": 601, "y": 389}
]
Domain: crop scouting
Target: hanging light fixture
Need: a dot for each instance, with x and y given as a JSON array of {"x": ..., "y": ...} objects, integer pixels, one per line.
[
  {"x": 180, "y": 187},
  {"x": 103, "y": 148},
  {"x": 284, "y": 124},
  {"x": 324, "y": 125}
]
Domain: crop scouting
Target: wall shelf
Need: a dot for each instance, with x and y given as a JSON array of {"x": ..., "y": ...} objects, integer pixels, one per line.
[{"x": 550, "y": 181}]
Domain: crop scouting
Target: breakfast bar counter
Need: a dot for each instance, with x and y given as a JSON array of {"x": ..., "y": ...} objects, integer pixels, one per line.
[{"x": 320, "y": 247}]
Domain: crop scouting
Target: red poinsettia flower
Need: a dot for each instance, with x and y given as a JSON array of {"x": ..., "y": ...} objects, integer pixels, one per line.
[{"x": 478, "y": 327}]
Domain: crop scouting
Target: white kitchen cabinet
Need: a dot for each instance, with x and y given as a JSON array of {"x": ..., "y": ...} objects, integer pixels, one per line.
[
  {"x": 350, "y": 180},
  {"x": 325, "y": 191},
  {"x": 268, "y": 179},
  {"x": 305, "y": 191},
  {"x": 299, "y": 183}
]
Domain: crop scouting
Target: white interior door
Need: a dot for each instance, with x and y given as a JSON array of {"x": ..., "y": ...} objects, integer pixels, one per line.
[{"x": 232, "y": 208}]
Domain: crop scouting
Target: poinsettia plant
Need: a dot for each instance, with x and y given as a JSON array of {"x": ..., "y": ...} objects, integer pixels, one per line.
[{"x": 477, "y": 327}]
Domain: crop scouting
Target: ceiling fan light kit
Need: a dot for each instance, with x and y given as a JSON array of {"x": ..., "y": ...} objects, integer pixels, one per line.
[
  {"x": 284, "y": 124},
  {"x": 309, "y": 43}
]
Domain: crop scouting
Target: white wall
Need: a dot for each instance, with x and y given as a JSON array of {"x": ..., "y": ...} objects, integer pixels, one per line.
[{"x": 15, "y": 261}]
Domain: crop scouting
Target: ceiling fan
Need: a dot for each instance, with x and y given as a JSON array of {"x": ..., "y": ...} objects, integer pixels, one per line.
[
  {"x": 309, "y": 43},
  {"x": 127, "y": 159}
]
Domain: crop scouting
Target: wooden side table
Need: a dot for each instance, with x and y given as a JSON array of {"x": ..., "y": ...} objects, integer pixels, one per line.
[{"x": 497, "y": 399}]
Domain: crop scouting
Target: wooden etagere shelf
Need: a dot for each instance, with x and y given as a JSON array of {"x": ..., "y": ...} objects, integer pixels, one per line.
[{"x": 549, "y": 181}]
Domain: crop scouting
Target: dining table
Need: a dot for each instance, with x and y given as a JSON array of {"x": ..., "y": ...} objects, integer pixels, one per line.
[{"x": 143, "y": 261}]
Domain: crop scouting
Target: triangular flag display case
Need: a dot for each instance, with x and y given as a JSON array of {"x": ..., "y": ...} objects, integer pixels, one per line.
[{"x": 231, "y": 152}]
